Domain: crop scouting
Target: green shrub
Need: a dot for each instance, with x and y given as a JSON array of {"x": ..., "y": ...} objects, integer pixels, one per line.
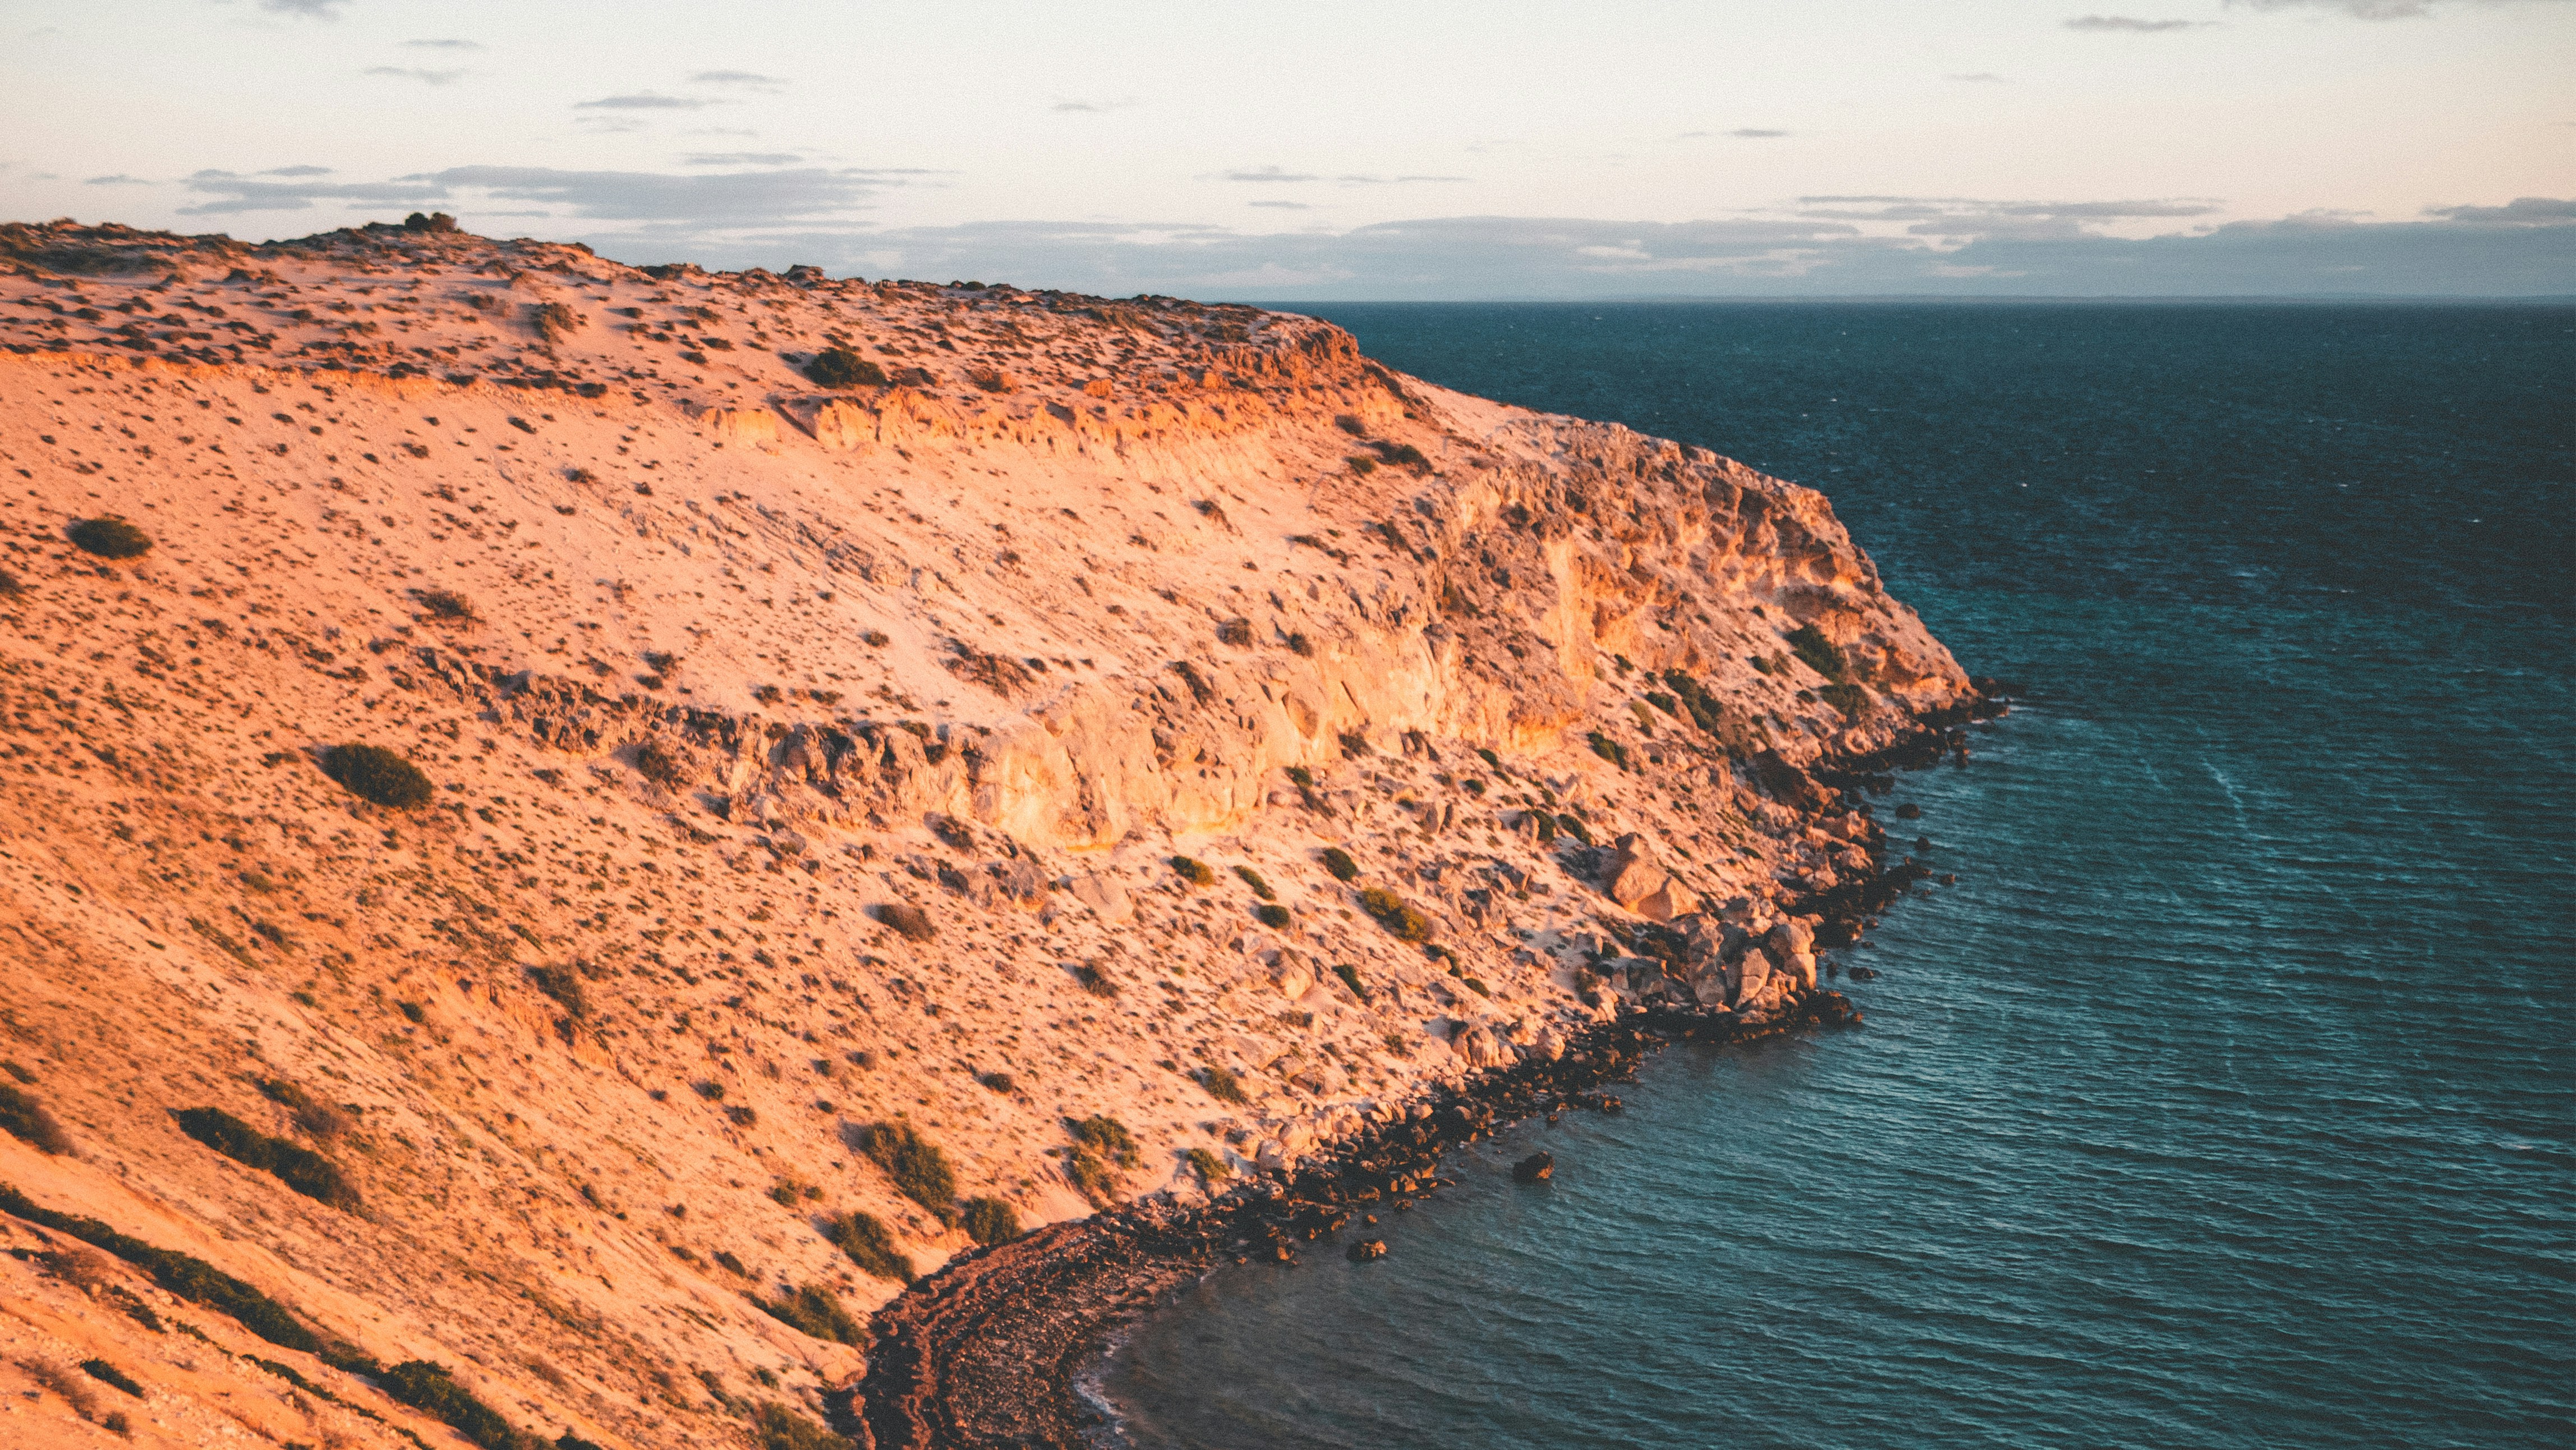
[
  {"x": 1090, "y": 1177},
  {"x": 110, "y": 537},
  {"x": 1403, "y": 455},
  {"x": 187, "y": 1276},
  {"x": 1849, "y": 699},
  {"x": 838, "y": 367},
  {"x": 1207, "y": 1165},
  {"x": 1819, "y": 652},
  {"x": 1395, "y": 914},
  {"x": 919, "y": 1170},
  {"x": 660, "y": 764},
  {"x": 1350, "y": 976},
  {"x": 1194, "y": 872},
  {"x": 815, "y": 1312},
  {"x": 990, "y": 1220},
  {"x": 1274, "y": 917},
  {"x": 377, "y": 774},
  {"x": 1339, "y": 862},
  {"x": 563, "y": 985},
  {"x": 1095, "y": 981},
  {"x": 999, "y": 1082},
  {"x": 447, "y": 604},
  {"x": 1476, "y": 986},
  {"x": 871, "y": 1247},
  {"x": 553, "y": 320},
  {"x": 783, "y": 1429},
  {"x": 1573, "y": 826},
  {"x": 10, "y": 588},
  {"x": 431, "y": 1389},
  {"x": 1300, "y": 776},
  {"x": 1259, "y": 887},
  {"x": 1361, "y": 464},
  {"x": 1609, "y": 749},
  {"x": 298, "y": 1167},
  {"x": 910, "y": 922},
  {"x": 25, "y": 1118},
  {"x": 108, "y": 1374},
  {"x": 1106, "y": 1136},
  {"x": 1222, "y": 1086}
]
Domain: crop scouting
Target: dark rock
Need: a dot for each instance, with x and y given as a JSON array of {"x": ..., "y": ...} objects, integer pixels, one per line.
[
  {"x": 1950, "y": 878},
  {"x": 1864, "y": 974},
  {"x": 1908, "y": 811},
  {"x": 1923, "y": 844},
  {"x": 1367, "y": 1249},
  {"x": 1536, "y": 1168}
]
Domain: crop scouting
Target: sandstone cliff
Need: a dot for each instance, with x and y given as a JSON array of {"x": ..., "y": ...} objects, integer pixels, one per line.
[{"x": 808, "y": 768}]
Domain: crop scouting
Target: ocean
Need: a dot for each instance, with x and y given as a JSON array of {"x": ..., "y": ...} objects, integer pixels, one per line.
[{"x": 2228, "y": 1099}]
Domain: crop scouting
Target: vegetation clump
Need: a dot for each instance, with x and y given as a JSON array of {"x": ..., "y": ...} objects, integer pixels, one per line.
[
  {"x": 910, "y": 922},
  {"x": 1106, "y": 1136},
  {"x": 553, "y": 320},
  {"x": 1259, "y": 887},
  {"x": 25, "y": 1118},
  {"x": 1095, "y": 981},
  {"x": 816, "y": 1312},
  {"x": 999, "y": 1082},
  {"x": 110, "y": 537},
  {"x": 657, "y": 762},
  {"x": 190, "y": 1278},
  {"x": 838, "y": 367},
  {"x": 377, "y": 774},
  {"x": 989, "y": 1220},
  {"x": 1850, "y": 699},
  {"x": 447, "y": 604},
  {"x": 870, "y": 1246},
  {"x": 10, "y": 588},
  {"x": 312, "y": 1114},
  {"x": 1207, "y": 1165},
  {"x": 783, "y": 1429},
  {"x": 1350, "y": 976},
  {"x": 433, "y": 1390},
  {"x": 1608, "y": 749},
  {"x": 1272, "y": 916},
  {"x": 1222, "y": 1085},
  {"x": 294, "y": 1165},
  {"x": 1819, "y": 653},
  {"x": 1197, "y": 873},
  {"x": 1339, "y": 862},
  {"x": 919, "y": 1170},
  {"x": 1395, "y": 914},
  {"x": 108, "y": 1374}
]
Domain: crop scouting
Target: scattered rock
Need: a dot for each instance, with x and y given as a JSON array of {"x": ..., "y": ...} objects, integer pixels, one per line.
[
  {"x": 1367, "y": 1249},
  {"x": 1536, "y": 1168}
]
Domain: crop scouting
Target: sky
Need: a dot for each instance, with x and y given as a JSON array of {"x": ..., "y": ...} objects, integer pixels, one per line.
[{"x": 1343, "y": 151}]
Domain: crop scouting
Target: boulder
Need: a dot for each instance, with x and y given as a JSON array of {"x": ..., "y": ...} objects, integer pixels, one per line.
[
  {"x": 1547, "y": 1046},
  {"x": 1292, "y": 975},
  {"x": 1632, "y": 875},
  {"x": 1104, "y": 895},
  {"x": 1669, "y": 900},
  {"x": 1754, "y": 977},
  {"x": 1536, "y": 1168},
  {"x": 1478, "y": 1047},
  {"x": 1367, "y": 1249}
]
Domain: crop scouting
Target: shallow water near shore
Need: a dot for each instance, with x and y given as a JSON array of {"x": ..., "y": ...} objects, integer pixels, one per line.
[{"x": 2228, "y": 1098}]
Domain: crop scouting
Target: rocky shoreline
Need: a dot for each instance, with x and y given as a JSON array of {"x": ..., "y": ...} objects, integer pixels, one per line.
[{"x": 989, "y": 1350}]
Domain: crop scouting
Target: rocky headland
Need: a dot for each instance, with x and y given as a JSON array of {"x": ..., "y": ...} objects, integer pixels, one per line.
[{"x": 575, "y": 833}]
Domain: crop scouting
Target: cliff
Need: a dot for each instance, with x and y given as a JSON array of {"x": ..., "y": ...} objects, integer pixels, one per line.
[{"x": 808, "y": 778}]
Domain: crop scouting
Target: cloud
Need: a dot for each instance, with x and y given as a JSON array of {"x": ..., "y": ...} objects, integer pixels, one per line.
[
  {"x": 289, "y": 171},
  {"x": 2131, "y": 24},
  {"x": 1392, "y": 180},
  {"x": 741, "y": 158},
  {"x": 2522, "y": 211},
  {"x": 311, "y": 9},
  {"x": 1094, "y": 108},
  {"x": 750, "y": 79},
  {"x": 1983, "y": 77},
  {"x": 425, "y": 77},
  {"x": 1282, "y": 205},
  {"x": 120, "y": 179},
  {"x": 440, "y": 45},
  {"x": 1750, "y": 133},
  {"x": 644, "y": 101},
  {"x": 1269, "y": 173},
  {"x": 733, "y": 198},
  {"x": 2366, "y": 9},
  {"x": 232, "y": 193}
]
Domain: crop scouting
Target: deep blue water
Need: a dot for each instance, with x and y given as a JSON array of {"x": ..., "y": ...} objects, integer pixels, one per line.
[{"x": 2229, "y": 1099}]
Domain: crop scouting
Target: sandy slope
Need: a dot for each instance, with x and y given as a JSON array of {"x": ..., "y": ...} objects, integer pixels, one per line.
[{"x": 998, "y": 640}]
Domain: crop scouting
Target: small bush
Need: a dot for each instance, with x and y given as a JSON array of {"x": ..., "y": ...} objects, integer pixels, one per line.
[
  {"x": 1608, "y": 749},
  {"x": 708, "y": 1088},
  {"x": 741, "y": 1115},
  {"x": 1851, "y": 700},
  {"x": 909, "y": 921},
  {"x": 431, "y": 1389},
  {"x": 999, "y": 1082},
  {"x": 1259, "y": 887},
  {"x": 186, "y": 1276},
  {"x": 1361, "y": 464},
  {"x": 1272, "y": 916},
  {"x": 838, "y": 367},
  {"x": 1095, "y": 981},
  {"x": 1299, "y": 644},
  {"x": 1350, "y": 976},
  {"x": 871, "y": 1247},
  {"x": 553, "y": 320},
  {"x": 1573, "y": 826},
  {"x": 1339, "y": 862},
  {"x": 1819, "y": 652},
  {"x": 110, "y": 537},
  {"x": 298, "y": 1167},
  {"x": 1396, "y": 915},
  {"x": 25, "y": 1118},
  {"x": 1236, "y": 632},
  {"x": 1091, "y": 1178},
  {"x": 1207, "y": 1165},
  {"x": 783, "y": 1429},
  {"x": 377, "y": 774},
  {"x": 660, "y": 764},
  {"x": 919, "y": 1170},
  {"x": 990, "y": 1220},
  {"x": 447, "y": 604},
  {"x": 10, "y": 588},
  {"x": 1222, "y": 1085},
  {"x": 1403, "y": 455},
  {"x": 1108, "y": 1137},
  {"x": 108, "y": 1374},
  {"x": 1301, "y": 777},
  {"x": 1476, "y": 986},
  {"x": 1194, "y": 872},
  {"x": 563, "y": 986},
  {"x": 816, "y": 1312}
]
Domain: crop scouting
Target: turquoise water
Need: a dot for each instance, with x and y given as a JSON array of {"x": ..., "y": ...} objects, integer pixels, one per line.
[{"x": 2228, "y": 1099}]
